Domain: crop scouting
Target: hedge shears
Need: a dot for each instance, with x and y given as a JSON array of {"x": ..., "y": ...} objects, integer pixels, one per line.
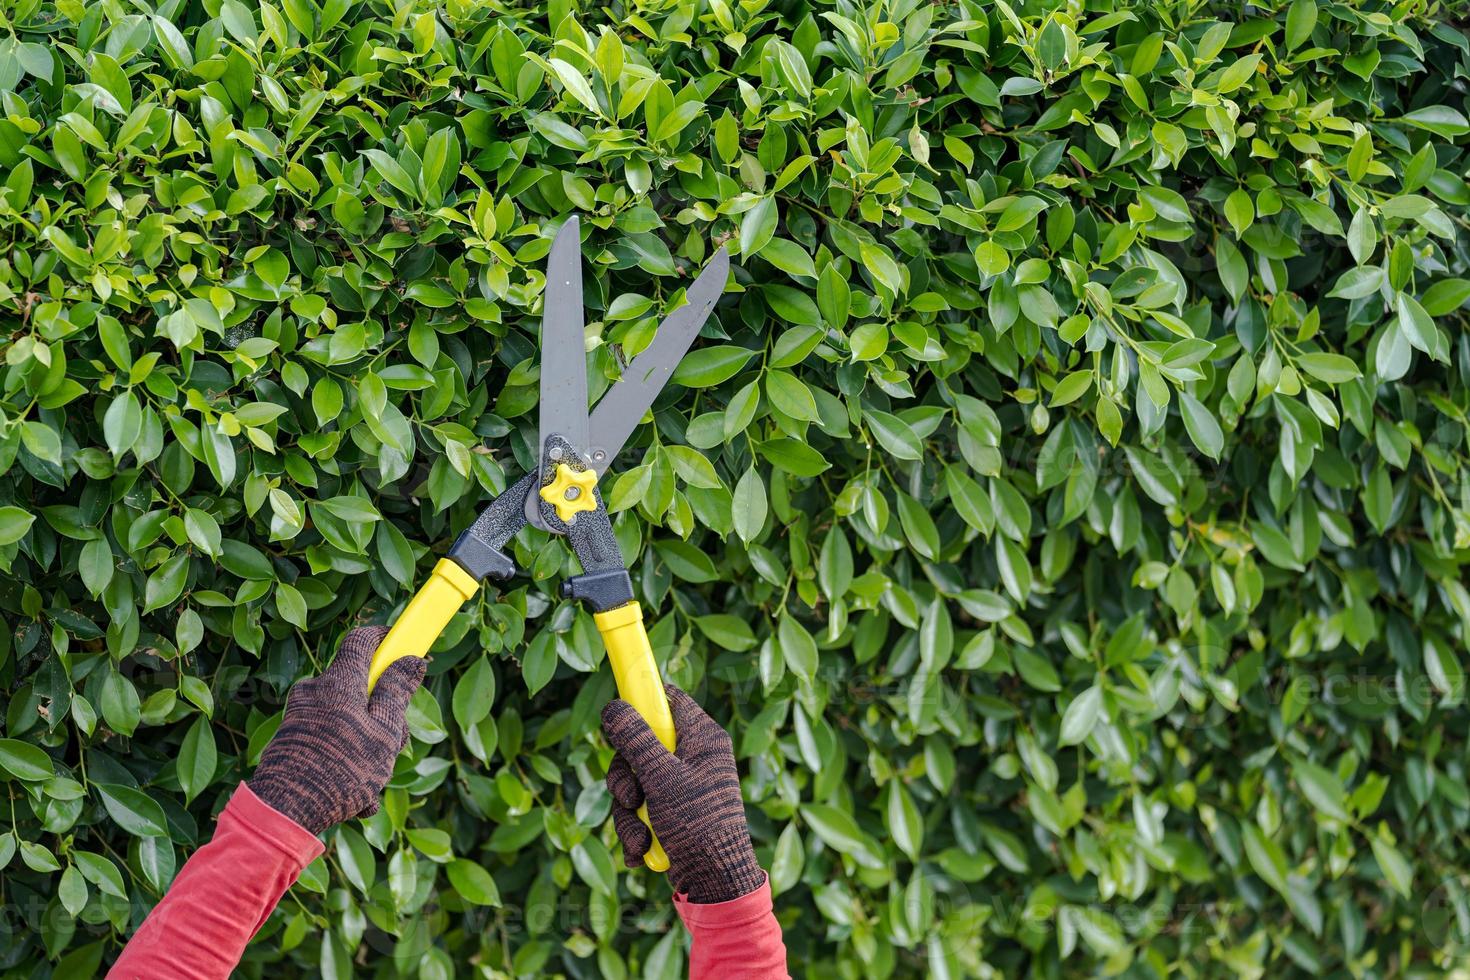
[{"x": 561, "y": 495}]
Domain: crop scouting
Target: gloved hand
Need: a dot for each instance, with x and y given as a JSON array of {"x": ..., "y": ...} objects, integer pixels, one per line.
[
  {"x": 335, "y": 749},
  {"x": 693, "y": 797}
]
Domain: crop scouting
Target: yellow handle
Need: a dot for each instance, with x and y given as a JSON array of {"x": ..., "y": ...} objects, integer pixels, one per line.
[
  {"x": 639, "y": 684},
  {"x": 425, "y": 617}
]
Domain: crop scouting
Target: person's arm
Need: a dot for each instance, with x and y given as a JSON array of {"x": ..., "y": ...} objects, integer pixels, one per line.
[
  {"x": 694, "y": 804},
  {"x": 329, "y": 761},
  {"x": 739, "y": 939},
  {"x": 223, "y": 894}
]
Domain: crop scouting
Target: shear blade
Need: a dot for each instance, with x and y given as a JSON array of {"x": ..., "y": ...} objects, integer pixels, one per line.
[
  {"x": 563, "y": 408},
  {"x": 626, "y": 402},
  {"x": 599, "y": 437}
]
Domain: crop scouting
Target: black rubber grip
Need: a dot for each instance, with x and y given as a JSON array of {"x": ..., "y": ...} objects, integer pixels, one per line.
[
  {"x": 480, "y": 559},
  {"x": 601, "y": 590}
]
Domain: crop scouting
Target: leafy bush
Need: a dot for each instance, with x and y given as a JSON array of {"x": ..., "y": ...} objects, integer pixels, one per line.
[{"x": 1067, "y": 509}]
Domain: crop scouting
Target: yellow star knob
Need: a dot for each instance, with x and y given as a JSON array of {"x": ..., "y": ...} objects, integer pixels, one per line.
[{"x": 571, "y": 492}]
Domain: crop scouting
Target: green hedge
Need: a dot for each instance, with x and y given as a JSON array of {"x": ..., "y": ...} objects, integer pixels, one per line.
[{"x": 1067, "y": 508}]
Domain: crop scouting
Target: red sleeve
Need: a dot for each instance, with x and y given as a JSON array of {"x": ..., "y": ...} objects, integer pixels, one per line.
[
  {"x": 222, "y": 895},
  {"x": 735, "y": 940}
]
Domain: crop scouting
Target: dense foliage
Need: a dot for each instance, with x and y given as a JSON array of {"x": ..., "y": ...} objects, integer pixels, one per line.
[{"x": 1067, "y": 508}]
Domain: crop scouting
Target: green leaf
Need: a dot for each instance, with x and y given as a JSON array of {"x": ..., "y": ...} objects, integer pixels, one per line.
[
  {"x": 789, "y": 257},
  {"x": 557, "y": 132},
  {"x": 758, "y": 226},
  {"x": 474, "y": 694},
  {"x": 356, "y": 858},
  {"x": 133, "y": 810},
  {"x": 1240, "y": 211},
  {"x": 173, "y": 43},
  {"x": 1204, "y": 429},
  {"x": 1301, "y": 17},
  {"x": 793, "y": 456},
  {"x": 538, "y": 664},
  {"x": 1332, "y": 368},
  {"x": 991, "y": 258},
  {"x": 1442, "y": 120},
  {"x": 238, "y": 21},
  {"x": 936, "y": 636},
  {"x": 354, "y": 510},
  {"x": 882, "y": 267},
  {"x": 835, "y": 571},
  {"x": 1275, "y": 546},
  {"x": 1265, "y": 856},
  {"x": 1396, "y": 870},
  {"x": 1416, "y": 324},
  {"x": 120, "y": 705},
  {"x": 291, "y": 605},
  {"x": 1445, "y": 296},
  {"x": 1071, "y": 388},
  {"x": 101, "y": 872},
  {"x": 25, "y": 761},
  {"x": 594, "y": 865},
  {"x": 38, "y": 857},
  {"x": 219, "y": 455},
  {"x": 838, "y": 830},
  {"x": 687, "y": 562},
  {"x": 122, "y": 423},
  {"x": 166, "y": 583},
  {"x": 42, "y": 441},
  {"x": 904, "y": 821},
  {"x": 1036, "y": 671},
  {"x": 203, "y": 530},
  {"x": 472, "y": 882},
  {"x": 1167, "y": 204},
  {"x": 1081, "y": 717},
  {"x": 1322, "y": 788},
  {"x": 789, "y": 859},
  {"x": 392, "y": 171},
  {"x": 576, "y": 84},
  {"x": 1444, "y": 671},
  {"x": 1240, "y": 71},
  {"x": 710, "y": 366},
  {"x": 730, "y": 632},
  {"x": 789, "y": 395},
  {"x": 894, "y": 435},
  {"x": 14, "y": 524},
  {"x": 1362, "y": 240},
  {"x": 748, "y": 507},
  {"x": 197, "y": 759},
  {"x": 797, "y": 647},
  {"x": 834, "y": 297},
  {"x": 918, "y": 526}
]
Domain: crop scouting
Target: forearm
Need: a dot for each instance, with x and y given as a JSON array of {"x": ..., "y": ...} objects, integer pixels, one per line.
[
  {"x": 735, "y": 940},
  {"x": 221, "y": 897}
]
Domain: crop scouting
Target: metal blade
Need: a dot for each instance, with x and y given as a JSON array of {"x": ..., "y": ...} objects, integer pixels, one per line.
[
  {"x": 623, "y": 407},
  {"x": 563, "y": 343},
  {"x": 563, "y": 355}
]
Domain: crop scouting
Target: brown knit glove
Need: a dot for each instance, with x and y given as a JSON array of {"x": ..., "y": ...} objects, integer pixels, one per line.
[
  {"x": 693, "y": 797},
  {"x": 335, "y": 749}
]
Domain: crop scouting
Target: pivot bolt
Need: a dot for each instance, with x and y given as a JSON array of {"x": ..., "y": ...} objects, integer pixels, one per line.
[{"x": 570, "y": 492}]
